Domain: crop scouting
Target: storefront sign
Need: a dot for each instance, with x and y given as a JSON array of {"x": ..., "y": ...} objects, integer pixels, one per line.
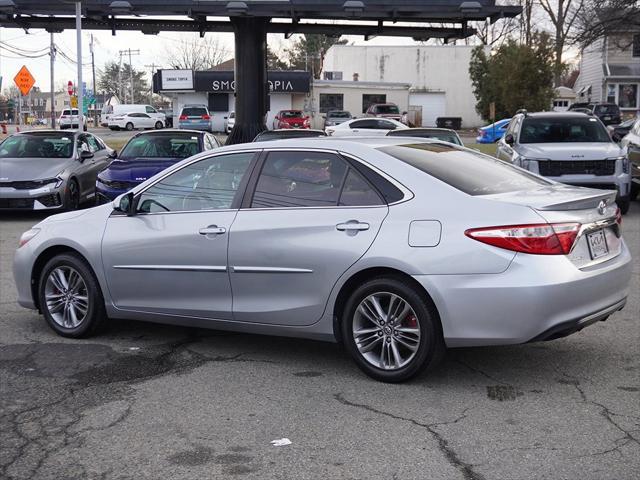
[
  {"x": 279, "y": 82},
  {"x": 176, "y": 79}
]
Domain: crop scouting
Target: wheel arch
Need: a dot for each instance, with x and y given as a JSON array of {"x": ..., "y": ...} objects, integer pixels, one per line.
[
  {"x": 362, "y": 276},
  {"x": 46, "y": 255}
]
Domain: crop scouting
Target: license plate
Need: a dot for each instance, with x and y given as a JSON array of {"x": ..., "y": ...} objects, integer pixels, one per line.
[{"x": 597, "y": 244}]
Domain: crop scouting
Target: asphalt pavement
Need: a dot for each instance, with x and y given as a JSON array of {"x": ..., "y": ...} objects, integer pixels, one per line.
[{"x": 145, "y": 401}]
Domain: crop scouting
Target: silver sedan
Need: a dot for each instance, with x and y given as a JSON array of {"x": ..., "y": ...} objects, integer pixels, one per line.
[{"x": 395, "y": 247}]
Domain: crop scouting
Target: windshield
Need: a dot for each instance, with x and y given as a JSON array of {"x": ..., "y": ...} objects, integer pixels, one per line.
[
  {"x": 291, "y": 114},
  {"x": 194, "y": 111},
  {"x": 563, "y": 130},
  {"x": 387, "y": 109},
  {"x": 37, "y": 146},
  {"x": 472, "y": 173},
  {"x": 161, "y": 146},
  {"x": 339, "y": 115}
]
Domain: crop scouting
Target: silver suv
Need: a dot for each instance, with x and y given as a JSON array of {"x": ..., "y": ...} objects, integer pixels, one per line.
[{"x": 568, "y": 147}]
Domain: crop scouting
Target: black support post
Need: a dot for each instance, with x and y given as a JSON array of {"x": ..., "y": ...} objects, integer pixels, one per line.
[{"x": 250, "y": 78}]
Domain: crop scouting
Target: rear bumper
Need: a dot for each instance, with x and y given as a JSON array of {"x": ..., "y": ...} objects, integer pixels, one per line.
[
  {"x": 205, "y": 126},
  {"x": 535, "y": 297}
]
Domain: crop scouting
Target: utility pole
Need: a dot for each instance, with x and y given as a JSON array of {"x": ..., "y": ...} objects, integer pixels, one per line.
[
  {"x": 79, "y": 89},
  {"x": 120, "y": 98},
  {"x": 93, "y": 73},
  {"x": 52, "y": 54},
  {"x": 152, "y": 67},
  {"x": 130, "y": 52}
]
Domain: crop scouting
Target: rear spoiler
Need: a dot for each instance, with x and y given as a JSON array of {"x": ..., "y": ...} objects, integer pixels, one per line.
[{"x": 583, "y": 202}]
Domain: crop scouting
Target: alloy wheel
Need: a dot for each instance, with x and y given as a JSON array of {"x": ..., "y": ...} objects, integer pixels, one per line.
[
  {"x": 386, "y": 331},
  {"x": 67, "y": 297}
]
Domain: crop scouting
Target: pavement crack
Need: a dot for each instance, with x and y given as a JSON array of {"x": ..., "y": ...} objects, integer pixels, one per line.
[
  {"x": 443, "y": 445},
  {"x": 481, "y": 372}
]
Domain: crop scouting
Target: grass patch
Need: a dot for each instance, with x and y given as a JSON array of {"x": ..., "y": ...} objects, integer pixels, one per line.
[{"x": 116, "y": 144}]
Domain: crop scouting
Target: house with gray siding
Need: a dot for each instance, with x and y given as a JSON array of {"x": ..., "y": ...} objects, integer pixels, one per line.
[{"x": 610, "y": 72}]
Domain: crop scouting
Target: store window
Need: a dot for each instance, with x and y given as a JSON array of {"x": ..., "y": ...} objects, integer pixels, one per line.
[
  {"x": 369, "y": 99},
  {"x": 331, "y": 101},
  {"x": 635, "y": 51},
  {"x": 628, "y": 95}
]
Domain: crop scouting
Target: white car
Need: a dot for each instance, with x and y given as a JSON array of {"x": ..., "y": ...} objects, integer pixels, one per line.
[
  {"x": 130, "y": 121},
  {"x": 365, "y": 127},
  {"x": 229, "y": 122},
  {"x": 69, "y": 119}
]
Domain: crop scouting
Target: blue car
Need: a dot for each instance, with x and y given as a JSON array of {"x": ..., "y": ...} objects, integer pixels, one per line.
[
  {"x": 195, "y": 117},
  {"x": 147, "y": 154},
  {"x": 494, "y": 132}
]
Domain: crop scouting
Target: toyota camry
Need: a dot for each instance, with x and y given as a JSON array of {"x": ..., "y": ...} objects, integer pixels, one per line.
[{"x": 396, "y": 247}]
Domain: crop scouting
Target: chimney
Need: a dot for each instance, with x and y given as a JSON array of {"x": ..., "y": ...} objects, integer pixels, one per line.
[{"x": 355, "y": 76}]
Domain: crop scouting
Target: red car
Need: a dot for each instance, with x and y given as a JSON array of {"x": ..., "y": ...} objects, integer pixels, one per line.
[{"x": 291, "y": 119}]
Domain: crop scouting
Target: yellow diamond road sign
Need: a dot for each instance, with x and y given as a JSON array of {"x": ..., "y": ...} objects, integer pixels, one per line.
[{"x": 24, "y": 80}]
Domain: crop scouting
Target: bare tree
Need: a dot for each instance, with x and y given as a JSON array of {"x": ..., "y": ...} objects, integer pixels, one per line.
[
  {"x": 526, "y": 22},
  {"x": 496, "y": 33},
  {"x": 563, "y": 15},
  {"x": 602, "y": 17},
  {"x": 194, "y": 53}
]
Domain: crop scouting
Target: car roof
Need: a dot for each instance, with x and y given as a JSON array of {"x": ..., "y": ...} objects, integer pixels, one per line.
[
  {"x": 170, "y": 131},
  {"x": 330, "y": 143},
  {"x": 568, "y": 114},
  {"x": 48, "y": 131},
  {"x": 426, "y": 129}
]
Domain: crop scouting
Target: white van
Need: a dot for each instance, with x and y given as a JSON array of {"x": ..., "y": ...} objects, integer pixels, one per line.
[{"x": 109, "y": 111}]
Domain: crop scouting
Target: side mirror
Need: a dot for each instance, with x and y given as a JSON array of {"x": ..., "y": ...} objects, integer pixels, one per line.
[
  {"x": 125, "y": 204},
  {"x": 508, "y": 139},
  {"x": 85, "y": 155},
  {"x": 113, "y": 154}
]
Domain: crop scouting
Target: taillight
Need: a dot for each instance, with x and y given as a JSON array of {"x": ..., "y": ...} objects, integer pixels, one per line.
[
  {"x": 182, "y": 117},
  {"x": 206, "y": 117},
  {"x": 536, "y": 239}
]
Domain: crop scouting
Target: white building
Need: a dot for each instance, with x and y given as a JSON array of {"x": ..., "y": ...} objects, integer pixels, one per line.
[{"x": 438, "y": 75}]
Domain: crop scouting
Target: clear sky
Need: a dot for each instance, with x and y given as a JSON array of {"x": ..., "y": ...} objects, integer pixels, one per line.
[{"x": 152, "y": 50}]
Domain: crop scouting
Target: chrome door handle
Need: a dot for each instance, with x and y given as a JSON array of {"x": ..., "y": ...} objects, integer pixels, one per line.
[
  {"x": 352, "y": 226},
  {"x": 212, "y": 230}
]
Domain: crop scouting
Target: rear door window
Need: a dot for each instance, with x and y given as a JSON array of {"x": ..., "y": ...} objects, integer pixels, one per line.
[
  {"x": 357, "y": 192},
  {"x": 470, "y": 172},
  {"x": 299, "y": 179},
  {"x": 373, "y": 124}
]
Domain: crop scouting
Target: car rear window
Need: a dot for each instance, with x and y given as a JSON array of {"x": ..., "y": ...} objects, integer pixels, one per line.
[
  {"x": 387, "y": 109},
  {"x": 610, "y": 109},
  {"x": 279, "y": 135},
  {"x": 161, "y": 146},
  {"x": 291, "y": 114},
  {"x": 194, "y": 111},
  {"x": 563, "y": 130},
  {"x": 467, "y": 171},
  {"x": 339, "y": 114}
]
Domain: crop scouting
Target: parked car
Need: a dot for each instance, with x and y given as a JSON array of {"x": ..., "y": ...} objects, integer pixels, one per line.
[
  {"x": 336, "y": 117},
  {"x": 291, "y": 119},
  {"x": 631, "y": 144},
  {"x": 619, "y": 131},
  {"x": 283, "y": 133},
  {"x": 608, "y": 113},
  {"x": 69, "y": 119},
  {"x": 384, "y": 110},
  {"x": 397, "y": 263},
  {"x": 109, "y": 111},
  {"x": 229, "y": 122},
  {"x": 131, "y": 121},
  {"x": 50, "y": 169},
  {"x": 195, "y": 117},
  {"x": 568, "y": 147},
  {"x": 147, "y": 154},
  {"x": 443, "y": 134},
  {"x": 365, "y": 127},
  {"x": 168, "y": 117},
  {"x": 493, "y": 132}
]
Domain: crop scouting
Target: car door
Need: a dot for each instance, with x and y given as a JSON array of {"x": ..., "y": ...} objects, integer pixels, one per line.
[
  {"x": 296, "y": 234},
  {"x": 85, "y": 172},
  {"x": 504, "y": 151},
  {"x": 171, "y": 256}
]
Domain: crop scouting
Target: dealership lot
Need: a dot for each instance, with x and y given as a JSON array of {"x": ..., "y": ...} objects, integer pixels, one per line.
[{"x": 151, "y": 401}]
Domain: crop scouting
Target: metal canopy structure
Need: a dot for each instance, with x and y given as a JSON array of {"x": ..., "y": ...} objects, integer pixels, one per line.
[{"x": 251, "y": 20}]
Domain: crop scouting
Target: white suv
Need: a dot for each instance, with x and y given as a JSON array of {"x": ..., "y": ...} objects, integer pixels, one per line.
[
  {"x": 568, "y": 147},
  {"x": 69, "y": 119}
]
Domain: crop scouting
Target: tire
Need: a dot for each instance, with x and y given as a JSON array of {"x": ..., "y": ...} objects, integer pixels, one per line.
[
  {"x": 87, "y": 298},
  {"x": 158, "y": 125},
  {"x": 129, "y": 126},
  {"x": 623, "y": 204},
  {"x": 422, "y": 317},
  {"x": 72, "y": 196}
]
